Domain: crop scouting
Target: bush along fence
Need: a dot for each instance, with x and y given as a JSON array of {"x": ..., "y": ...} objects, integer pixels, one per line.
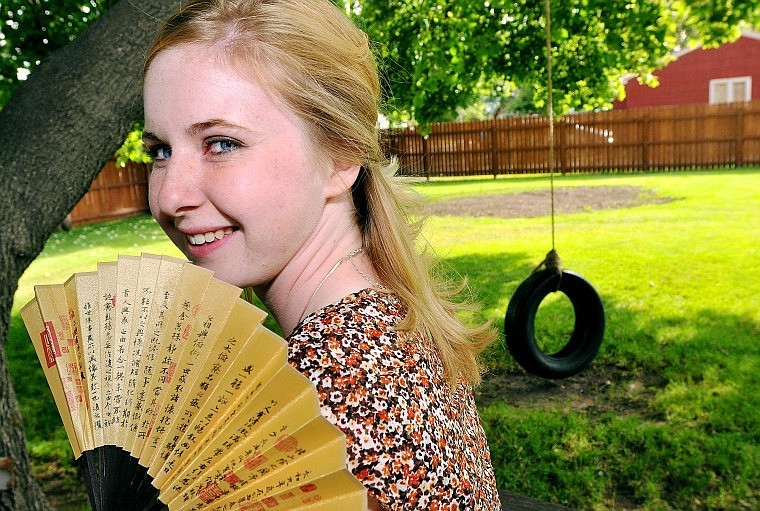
[
  {"x": 644, "y": 139},
  {"x": 657, "y": 138}
]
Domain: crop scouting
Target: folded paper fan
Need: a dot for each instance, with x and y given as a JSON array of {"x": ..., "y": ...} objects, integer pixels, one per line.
[{"x": 175, "y": 396}]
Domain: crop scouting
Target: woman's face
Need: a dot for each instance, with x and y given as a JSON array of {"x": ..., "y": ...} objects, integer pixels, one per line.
[{"x": 236, "y": 184}]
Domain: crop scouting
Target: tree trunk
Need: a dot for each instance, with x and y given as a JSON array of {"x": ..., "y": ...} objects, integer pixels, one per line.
[{"x": 56, "y": 133}]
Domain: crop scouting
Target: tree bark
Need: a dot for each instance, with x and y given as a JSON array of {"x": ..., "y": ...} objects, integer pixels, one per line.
[{"x": 56, "y": 133}]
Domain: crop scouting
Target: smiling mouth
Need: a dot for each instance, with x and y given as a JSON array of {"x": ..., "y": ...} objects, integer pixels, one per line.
[{"x": 208, "y": 237}]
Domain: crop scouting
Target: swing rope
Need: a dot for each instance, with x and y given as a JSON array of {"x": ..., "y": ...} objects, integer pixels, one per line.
[{"x": 552, "y": 261}]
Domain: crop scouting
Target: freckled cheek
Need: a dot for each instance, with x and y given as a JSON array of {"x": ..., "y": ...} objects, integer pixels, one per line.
[
  {"x": 288, "y": 186},
  {"x": 287, "y": 214},
  {"x": 293, "y": 191}
]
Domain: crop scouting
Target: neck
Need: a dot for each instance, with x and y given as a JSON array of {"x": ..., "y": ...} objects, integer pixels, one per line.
[
  {"x": 319, "y": 274},
  {"x": 348, "y": 257}
]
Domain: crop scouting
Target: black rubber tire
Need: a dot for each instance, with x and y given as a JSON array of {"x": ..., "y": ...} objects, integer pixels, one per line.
[{"x": 588, "y": 331}]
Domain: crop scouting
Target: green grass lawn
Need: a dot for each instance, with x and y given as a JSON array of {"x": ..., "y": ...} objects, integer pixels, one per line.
[{"x": 668, "y": 415}]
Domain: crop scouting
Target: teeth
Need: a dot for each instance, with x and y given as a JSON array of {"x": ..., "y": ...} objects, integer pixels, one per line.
[{"x": 208, "y": 237}]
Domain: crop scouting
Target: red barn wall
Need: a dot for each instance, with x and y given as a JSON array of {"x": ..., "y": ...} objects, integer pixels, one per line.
[{"x": 686, "y": 80}]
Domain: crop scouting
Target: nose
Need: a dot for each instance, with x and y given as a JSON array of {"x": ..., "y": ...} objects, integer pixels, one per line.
[{"x": 175, "y": 187}]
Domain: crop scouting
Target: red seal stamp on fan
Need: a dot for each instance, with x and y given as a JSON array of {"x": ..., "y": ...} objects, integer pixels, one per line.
[
  {"x": 231, "y": 478},
  {"x": 255, "y": 461},
  {"x": 286, "y": 443}
]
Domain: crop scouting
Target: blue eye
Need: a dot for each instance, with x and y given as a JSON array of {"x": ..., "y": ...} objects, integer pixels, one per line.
[
  {"x": 160, "y": 153},
  {"x": 221, "y": 145}
]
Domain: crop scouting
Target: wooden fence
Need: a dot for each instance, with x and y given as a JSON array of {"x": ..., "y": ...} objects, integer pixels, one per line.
[
  {"x": 660, "y": 138},
  {"x": 117, "y": 192}
]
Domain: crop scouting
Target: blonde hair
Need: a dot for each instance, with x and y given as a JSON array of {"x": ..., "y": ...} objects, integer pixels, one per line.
[{"x": 313, "y": 58}]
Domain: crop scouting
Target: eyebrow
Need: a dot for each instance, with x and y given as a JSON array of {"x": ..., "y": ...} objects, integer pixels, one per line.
[{"x": 200, "y": 127}]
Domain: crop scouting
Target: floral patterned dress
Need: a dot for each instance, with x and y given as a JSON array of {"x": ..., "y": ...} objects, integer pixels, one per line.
[{"x": 413, "y": 442}]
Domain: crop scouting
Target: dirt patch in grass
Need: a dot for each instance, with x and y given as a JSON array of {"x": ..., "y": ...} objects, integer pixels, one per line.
[
  {"x": 567, "y": 200},
  {"x": 598, "y": 389}
]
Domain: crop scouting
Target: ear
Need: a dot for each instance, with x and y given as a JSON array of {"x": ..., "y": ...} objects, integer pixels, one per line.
[{"x": 341, "y": 179}]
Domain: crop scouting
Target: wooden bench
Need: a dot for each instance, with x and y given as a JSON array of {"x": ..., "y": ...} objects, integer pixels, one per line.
[{"x": 514, "y": 502}]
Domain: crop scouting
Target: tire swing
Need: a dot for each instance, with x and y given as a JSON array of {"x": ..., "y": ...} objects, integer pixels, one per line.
[
  {"x": 549, "y": 277},
  {"x": 519, "y": 322}
]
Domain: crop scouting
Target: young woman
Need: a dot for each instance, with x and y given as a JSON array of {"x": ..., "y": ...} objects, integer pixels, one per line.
[{"x": 261, "y": 119}]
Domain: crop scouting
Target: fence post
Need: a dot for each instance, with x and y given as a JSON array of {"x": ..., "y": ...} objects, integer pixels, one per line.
[
  {"x": 494, "y": 154},
  {"x": 740, "y": 135},
  {"x": 425, "y": 162},
  {"x": 644, "y": 130},
  {"x": 560, "y": 146}
]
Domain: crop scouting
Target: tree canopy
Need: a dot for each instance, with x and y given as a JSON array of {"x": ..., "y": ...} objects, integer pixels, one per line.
[
  {"x": 438, "y": 56},
  {"x": 33, "y": 29}
]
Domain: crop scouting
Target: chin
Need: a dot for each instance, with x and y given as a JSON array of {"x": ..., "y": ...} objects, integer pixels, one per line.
[{"x": 228, "y": 275}]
